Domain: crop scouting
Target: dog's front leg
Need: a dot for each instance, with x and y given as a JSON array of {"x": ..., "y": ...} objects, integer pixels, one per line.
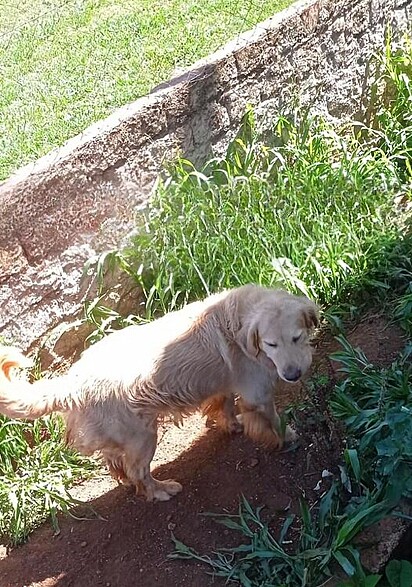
[{"x": 261, "y": 423}]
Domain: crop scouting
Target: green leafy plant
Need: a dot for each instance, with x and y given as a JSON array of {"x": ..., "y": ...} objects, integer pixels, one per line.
[
  {"x": 36, "y": 472},
  {"x": 399, "y": 573},
  {"x": 376, "y": 406},
  {"x": 262, "y": 214},
  {"x": 362, "y": 581},
  {"x": 403, "y": 310},
  {"x": 323, "y": 542},
  {"x": 393, "y": 93}
]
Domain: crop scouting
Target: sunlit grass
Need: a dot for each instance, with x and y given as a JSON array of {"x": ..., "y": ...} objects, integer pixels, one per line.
[
  {"x": 36, "y": 472},
  {"x": 315, "y": 211},
  {"x": 64, "y": 65}
]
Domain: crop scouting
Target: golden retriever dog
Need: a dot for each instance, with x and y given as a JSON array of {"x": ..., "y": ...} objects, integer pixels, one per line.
[{"x": 233, "y": 344}]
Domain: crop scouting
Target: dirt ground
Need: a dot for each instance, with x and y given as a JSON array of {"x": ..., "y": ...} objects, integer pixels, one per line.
[{"x": 128, "y": 543}]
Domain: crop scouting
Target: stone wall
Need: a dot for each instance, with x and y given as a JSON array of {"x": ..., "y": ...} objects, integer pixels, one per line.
[{"x": 81, "y": 199}]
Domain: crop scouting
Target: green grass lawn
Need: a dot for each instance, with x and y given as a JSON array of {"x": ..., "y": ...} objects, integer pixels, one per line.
[{"x": 64, "y": 65}]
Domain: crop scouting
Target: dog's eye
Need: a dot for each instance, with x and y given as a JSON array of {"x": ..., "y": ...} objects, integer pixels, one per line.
[
  {"x": 296, "y": 338},
  {"x": 272, "y": 344}
]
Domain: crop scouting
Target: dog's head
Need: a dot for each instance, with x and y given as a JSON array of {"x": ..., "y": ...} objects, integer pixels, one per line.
[{"x": 276, "y": 333}]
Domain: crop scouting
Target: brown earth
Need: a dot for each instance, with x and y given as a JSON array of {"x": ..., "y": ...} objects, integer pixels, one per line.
[{"x": 128, "y": 543}]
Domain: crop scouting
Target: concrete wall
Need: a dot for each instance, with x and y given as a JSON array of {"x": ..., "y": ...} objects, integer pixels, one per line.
[{"x": 81, "y": 199}]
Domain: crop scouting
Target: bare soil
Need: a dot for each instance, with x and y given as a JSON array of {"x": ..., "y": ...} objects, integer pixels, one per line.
[{"x": 128, "y": 543}]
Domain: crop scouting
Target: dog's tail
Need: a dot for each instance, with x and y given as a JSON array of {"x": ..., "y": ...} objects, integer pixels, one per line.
[{"x": 20, "y": 399}]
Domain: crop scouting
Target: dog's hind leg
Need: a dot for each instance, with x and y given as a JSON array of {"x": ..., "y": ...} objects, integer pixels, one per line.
[
  {"x": 138, "y": 454},
  {"x": 154, "y": 489},
  {"x": 220, "y": 409},
  {"x": 115, "y": 464}
]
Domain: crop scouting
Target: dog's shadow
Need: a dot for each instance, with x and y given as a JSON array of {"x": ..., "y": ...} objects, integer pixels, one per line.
[{"x": 129, "y": 541}]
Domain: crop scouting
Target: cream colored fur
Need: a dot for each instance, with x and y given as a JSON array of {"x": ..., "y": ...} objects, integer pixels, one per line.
[{"x": 233, "y": 344}]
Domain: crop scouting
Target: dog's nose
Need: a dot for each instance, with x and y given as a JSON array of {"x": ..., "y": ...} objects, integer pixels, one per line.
[{"x": 292, "y": 373}]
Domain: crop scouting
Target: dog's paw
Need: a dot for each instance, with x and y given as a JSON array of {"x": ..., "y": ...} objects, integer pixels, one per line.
[
  {"x": 163, "y": 490},
  {"x": 230, "y": 425},
  {"x": 124, "y": 481},
  {"x": 260, "y": 430},
  {"x": 172, "y": 487}
]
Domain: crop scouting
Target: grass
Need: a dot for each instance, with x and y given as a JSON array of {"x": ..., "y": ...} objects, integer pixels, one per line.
[
  {"x": 320, "y": 210},
  {"x": 316, "y": 212},
  {"x": 65, "y": 64},
  {"x": 323, "y": 542},
  {"x": 376, "y": 406},
  {"x": 36, "y": 472}
]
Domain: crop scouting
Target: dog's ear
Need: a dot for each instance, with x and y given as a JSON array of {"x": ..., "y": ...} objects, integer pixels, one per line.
[
  {"x": 310, "y": 315},
  {"x": 253, "y": 340},
  {"x": 248, "y": 339}
]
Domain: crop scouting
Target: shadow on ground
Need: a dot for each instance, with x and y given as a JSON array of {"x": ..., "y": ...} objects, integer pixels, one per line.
[{"x": 130, "y": 546}]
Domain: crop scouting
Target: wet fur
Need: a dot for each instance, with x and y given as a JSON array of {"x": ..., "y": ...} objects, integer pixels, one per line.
[{"x": 200, "y": 357}]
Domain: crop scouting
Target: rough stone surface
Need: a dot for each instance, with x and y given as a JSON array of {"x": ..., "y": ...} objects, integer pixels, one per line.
[
  {"x": 386, "y": 539},
  {"x": 81, "y": 199}
]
